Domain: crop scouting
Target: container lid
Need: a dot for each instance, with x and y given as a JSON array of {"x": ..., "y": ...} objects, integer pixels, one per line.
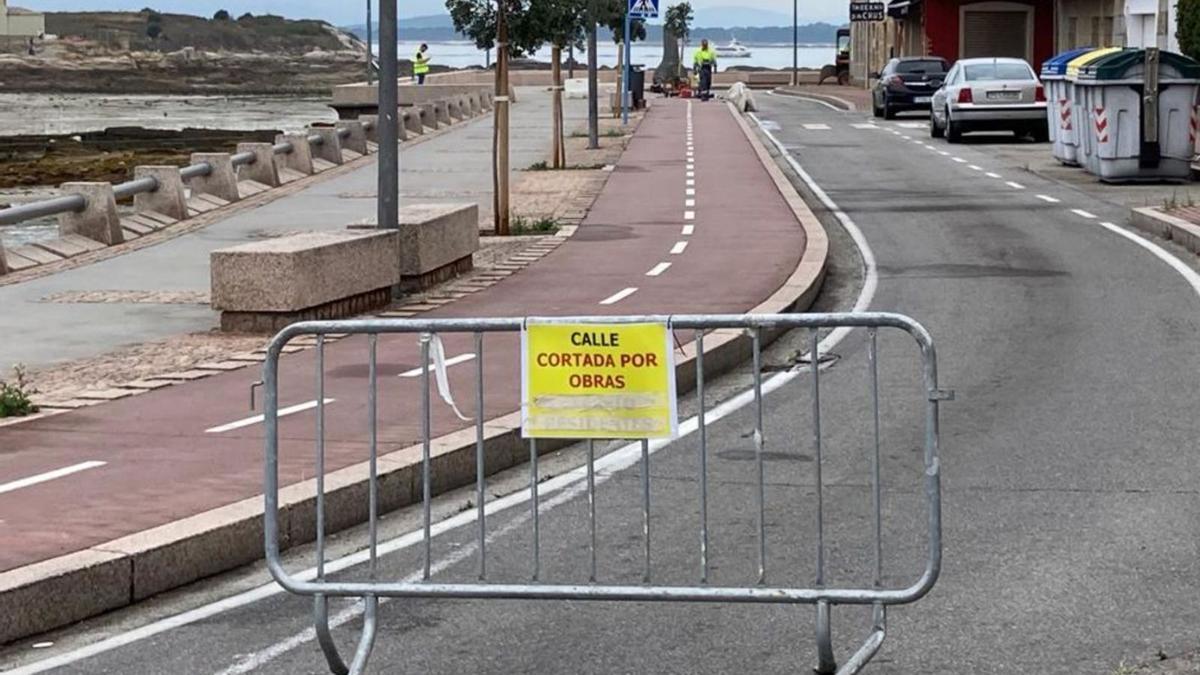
[
  {"x": 1075, "y": 64},
  {"x": 1129, "y": 64},
  {"x": 1057, "y": 65}
]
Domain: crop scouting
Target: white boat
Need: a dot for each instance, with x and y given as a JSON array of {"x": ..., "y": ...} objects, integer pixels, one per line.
[{"x": 733, "y": 50}]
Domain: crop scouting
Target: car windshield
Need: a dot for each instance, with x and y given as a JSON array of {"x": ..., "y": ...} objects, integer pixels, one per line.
[
  {"x": 920, "y": 67},
  {"x": 997, "y": 71}
]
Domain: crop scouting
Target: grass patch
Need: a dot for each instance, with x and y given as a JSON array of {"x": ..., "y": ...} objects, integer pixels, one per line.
[
  {"x": 545, "y": 166},
  {"x": 609, "y": 133},
  {"x": 14, "y": 395},
  {"x": 522, "y": 225}
]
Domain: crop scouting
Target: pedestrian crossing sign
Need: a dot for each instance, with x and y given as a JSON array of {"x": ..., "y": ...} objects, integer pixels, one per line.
[{"x": 643, "y": 9}]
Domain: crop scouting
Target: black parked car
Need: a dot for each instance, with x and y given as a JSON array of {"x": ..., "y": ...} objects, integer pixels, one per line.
[{"x": 907, "y": 83}]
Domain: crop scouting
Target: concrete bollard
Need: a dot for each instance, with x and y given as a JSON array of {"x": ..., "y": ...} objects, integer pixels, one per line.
[
  {"x": 429, "y": 116},
  {"x": 169, "y": 199},
  {"x": 265, "y": 167},
  {"x": 371, "y": 127},
  {"x": 300, "y": 158},
  {"x": 357, "y": 140},
  {"x": 410, "y": 119},
  {"x": 98, "y": 220},
  {"x": 476, "y": 103},
  {"x": 454, "y": 109},
  {"x": 221, "y": 181},
  {"x": 442, "y": 108},
  {"x": 330, "y": 148}
]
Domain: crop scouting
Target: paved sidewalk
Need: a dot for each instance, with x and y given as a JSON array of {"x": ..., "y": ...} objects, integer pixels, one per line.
[
  {"x": 171, "y": 453},
  {"x": 455, "y": 166}
]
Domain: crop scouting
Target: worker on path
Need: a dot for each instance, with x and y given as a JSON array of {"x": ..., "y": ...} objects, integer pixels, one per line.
[
  {"x": 421, "y": 63},
  {"x": 705, "y": 63}
]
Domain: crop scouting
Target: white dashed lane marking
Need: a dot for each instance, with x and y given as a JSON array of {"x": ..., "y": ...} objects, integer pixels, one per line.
[
  {"x": 257, "y": 419},
  {"x": 678, "y": 247},
  {"x": 960, "y": 160},
  {"x": 49, "y": 476},
  {"x": 688, "y": 230},
  {"x": 817, "y": 127},
  {"x": 1014, "y": 185},
  {"x": 1083, "y": 214},
  {"x": 619, "y": 295},
  {"x": 658, "y": 269},
  {"x": 992, "y": 175},
  {"x": 1048, "y": 198}
]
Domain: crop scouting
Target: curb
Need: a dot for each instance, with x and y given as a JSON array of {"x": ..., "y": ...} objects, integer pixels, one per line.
[
  {"x": 838, "y": 101},
  {"x": 60, "y": 591},
  {"x": 1152, "y": 219}
]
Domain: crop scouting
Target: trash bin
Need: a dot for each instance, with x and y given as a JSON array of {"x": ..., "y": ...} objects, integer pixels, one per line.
[
  {"x": 637, "y": 85},
  {"x": 1077, "y": 145},
  {"x": 1112, "y": 89},
  {"x": 1058, "y": 108}
]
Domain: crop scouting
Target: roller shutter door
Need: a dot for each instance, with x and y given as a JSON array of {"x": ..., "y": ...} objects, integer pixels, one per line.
[{"x": 991, "y": 33}]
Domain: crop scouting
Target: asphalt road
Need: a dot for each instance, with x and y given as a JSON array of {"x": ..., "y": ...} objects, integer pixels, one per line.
[{"x": 1069, "y": 494}]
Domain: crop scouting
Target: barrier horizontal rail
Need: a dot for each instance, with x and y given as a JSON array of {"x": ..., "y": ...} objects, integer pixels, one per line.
[
  {"x": 428, "y": 331},
  {"x": 74, "y": 203}
]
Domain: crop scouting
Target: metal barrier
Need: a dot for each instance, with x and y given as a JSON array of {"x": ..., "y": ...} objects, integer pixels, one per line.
[
  {"x": 75, "y": 203},
  {"x": 821, "y": 594}
]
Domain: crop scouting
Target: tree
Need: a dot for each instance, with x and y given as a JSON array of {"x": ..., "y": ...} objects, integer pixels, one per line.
[
  {"x": 678, "y": 23},
  {"x": 153, "y": 25},
  {"x": 1188, "y": 27},
  {"x": 246, "y": 17},
  {"x": 564, "y": 22},
  {"x": 476, "y": 19},
  {"x": 221, "y": 15}
]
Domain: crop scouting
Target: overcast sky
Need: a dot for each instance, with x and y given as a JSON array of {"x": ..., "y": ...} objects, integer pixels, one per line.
[{"x": 342, "y": 13}]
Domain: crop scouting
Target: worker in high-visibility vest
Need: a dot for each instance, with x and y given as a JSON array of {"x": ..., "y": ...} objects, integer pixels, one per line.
[
  {"x": 705, "y": 63},
  {"x": 421, "y": 63}
]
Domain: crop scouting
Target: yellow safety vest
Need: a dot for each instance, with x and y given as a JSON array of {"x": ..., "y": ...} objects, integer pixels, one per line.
[
  {"x": 420, "y": 64},
  {"x": 704, "y": 57}
]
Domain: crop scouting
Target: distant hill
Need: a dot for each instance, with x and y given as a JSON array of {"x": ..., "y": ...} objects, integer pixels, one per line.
[
  {"x": 151, "y": 31},
  {"x": 439, "y": 28}
]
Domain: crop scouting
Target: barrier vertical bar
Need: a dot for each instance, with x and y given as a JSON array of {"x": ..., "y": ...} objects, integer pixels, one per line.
[
  {"x": 646, "y": 504},
  {"x": 703, "y": 430},
  {"x": 591, "y": 491},
  {"x": 426, "y": 432},
  {"x": 876, "y": 495},
  {"x": 814, "y": 355},
  {"x": 533, "y": 506},
  {"x": 372, "y": 420},
  {"x": 320, "y": 459},
  {"x": 480, "y": 480},
  {"x": 756, "y": 342}
]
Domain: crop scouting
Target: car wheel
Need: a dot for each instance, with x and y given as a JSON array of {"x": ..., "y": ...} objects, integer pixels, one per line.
[
  {"x": 953, "y": 129},
  {"x": 888, "y": 113},
  {"x": 935, "y": 130},
  {"x": 876, "y": 110}
]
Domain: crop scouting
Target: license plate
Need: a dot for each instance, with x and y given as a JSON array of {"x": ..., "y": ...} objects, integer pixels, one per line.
[
  {"x": 921, "y": 99},
  {"x": 1004, "y": 95}
]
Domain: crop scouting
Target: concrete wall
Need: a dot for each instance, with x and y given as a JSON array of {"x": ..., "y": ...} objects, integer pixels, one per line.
[
  {"x": 1091, "y": 23},
  {"x": 1141, "y": 24}
]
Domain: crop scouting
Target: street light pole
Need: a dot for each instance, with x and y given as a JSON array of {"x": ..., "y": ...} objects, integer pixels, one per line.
[
  {"x": 370, "y": 50},
  {"x": 625, "y": 79},
  {"x": 795, "y": 42},
  {"x": 593, "y": 86},
  {"x": 388, "y": 215}
]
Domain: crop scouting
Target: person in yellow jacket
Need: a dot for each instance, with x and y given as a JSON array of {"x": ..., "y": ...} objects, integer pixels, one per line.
[
  {"x": 421, "y": 63},
  {"x": 705, "y": 63}
]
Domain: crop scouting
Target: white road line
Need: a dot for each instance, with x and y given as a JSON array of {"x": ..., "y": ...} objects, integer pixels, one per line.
[
  {"x": 960, "y": 160},
  {"x": 691, "y": 182},
  {"x": 691, "y": 192},
  {"x": 818, "y": 101},
  {"x": 689, "y": 202},
  {"x": 1047, "y": 198},
  {"x": 816, "y": 127},
  {"x": 689, "y": 215},
  {"x": 570, "y": 483},
  {"x": 868, "y": 125},
  {"x": 915, "y": 125},
  {"x": 461, "y": 358},
  {"x": 658, "y": 269},
  {"x": 678, "y": 247},
  {"x": 49, "y": 476},
  {"x": 688, "y": 230},
  {"x": 1189, "y": 274},
  {"x": 974, "y": 167},
  {"x": 943, "y": 153},
  {"x": 1014, "y": 185},
  {"x": 619, "y": 296},
  {"x": 991, "y": 174},
  {"x": 1083, "y": 214},
  {"x": 257, "y": 419}
]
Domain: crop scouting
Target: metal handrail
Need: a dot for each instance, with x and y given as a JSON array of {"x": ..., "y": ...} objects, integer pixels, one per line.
[{"x": 75, "y": 203}]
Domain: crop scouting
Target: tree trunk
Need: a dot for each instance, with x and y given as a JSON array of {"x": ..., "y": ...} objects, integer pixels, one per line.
[
  {"x": 668, "y": 68},
  {"x": 557, "y": 148},
  {"x": 620, "y": 77}
]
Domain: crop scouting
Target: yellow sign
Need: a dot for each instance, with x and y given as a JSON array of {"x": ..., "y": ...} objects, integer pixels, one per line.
[{"x": 597, "y": 380}]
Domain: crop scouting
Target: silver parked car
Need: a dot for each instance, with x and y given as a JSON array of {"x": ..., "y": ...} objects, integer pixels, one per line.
[{"x": 998, "y": 94}]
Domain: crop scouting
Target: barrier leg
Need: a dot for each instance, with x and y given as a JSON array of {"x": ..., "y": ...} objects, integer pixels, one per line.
[
  {"x": 869, "y": 648},
  {"x": 826, "y": 664},
  {"x": 325, "y": 638}
]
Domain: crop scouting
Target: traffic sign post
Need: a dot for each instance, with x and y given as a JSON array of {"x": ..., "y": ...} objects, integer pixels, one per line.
[{"x": 637, "y": 9}]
